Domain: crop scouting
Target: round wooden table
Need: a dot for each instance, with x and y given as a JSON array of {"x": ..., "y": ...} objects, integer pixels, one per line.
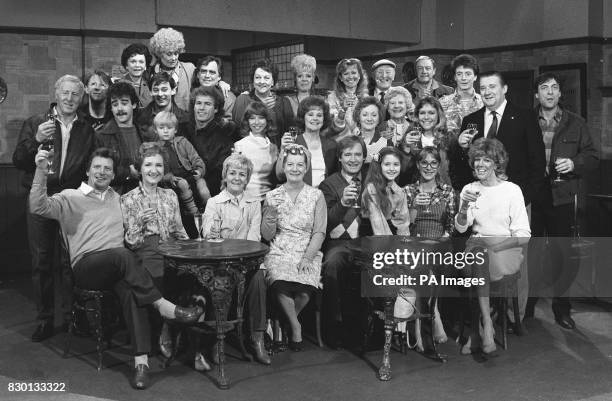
[
  {"x": 364, "y": 249},
  {"x": 220, "y": 268}
]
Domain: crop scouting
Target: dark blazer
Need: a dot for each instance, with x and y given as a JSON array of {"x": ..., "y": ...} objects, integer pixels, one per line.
[
  {"x": 330, "y": 158},
  {"x": 520, "y": 134}
]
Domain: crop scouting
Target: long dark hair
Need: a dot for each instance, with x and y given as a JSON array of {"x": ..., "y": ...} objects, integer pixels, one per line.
[{"x": 375, "y": 176}]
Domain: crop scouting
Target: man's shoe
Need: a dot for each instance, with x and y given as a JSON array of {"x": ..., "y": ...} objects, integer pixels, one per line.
[
  {"x": 187, "y": 315},
  {"x": 141, "y": 377},
  {"x": 565, "y": 321},
  {"x": 43, "y": 331},
  {"x": 259, "y": 352}
]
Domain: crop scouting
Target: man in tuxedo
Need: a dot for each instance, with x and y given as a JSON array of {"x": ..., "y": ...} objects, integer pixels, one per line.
[{"x": 520, "y": 134}]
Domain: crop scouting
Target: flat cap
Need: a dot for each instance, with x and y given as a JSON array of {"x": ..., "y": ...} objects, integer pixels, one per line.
[{"x": 384, "y": 61}]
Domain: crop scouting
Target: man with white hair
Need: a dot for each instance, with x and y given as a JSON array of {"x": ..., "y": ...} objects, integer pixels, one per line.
[{"x": 69, "y": 138}]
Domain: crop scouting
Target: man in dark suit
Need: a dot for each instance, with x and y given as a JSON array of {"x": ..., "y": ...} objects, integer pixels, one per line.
[
  {"x": 520, "y": 134},
  {"x": 342, "y": 191}
]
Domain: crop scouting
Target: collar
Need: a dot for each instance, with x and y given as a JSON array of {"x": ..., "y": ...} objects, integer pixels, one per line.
[
  {"x": 394, "y": 188},
  {"x": 86, "y": 189},
  {"x": 225, "y": 196},
  {"x": 500, "y": 109},
  {"x": 556, "y": 117},
  {"x": 56, "y": 115},
  {"x": 457, "y": 96},
  {"x": 259, "y": 140}
]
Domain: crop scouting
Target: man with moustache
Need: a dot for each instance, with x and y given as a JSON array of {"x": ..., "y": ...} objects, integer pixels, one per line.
[
  {"x": 570, "y": 155},
  {"x": 135, "y": 58},
  {"x": 73, "y": 139},
  {"x": 122, "y": 135},
  {"x": 342, "y": 191},
  {"x": 424, "y": 84},
  {"x": 94, "y": 108},
  {"x": 163, "y": 90},
  {"x": 519, "y": 132}
]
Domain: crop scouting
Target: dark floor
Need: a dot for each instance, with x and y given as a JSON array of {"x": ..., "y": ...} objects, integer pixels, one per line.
[{"x": 547, "y": 364}]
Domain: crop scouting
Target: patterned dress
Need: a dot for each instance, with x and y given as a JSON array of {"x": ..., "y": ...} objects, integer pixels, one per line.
[{"x": 297, "y": 222}]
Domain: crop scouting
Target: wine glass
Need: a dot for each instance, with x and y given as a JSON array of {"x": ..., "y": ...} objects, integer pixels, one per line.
[
  {"x": 475, "y": 191},
  {"x": 428, "y": 207},
  {"x": 49, "y": 147},
  {"x": 559, "y": 178},
  {"x": 473, "y": 128},
  {"x": 198, "y": 223},
  {"x": 357, "y": 182},
  {"x": 294, "y": 133},
  {"x": 216, "y": 228}
]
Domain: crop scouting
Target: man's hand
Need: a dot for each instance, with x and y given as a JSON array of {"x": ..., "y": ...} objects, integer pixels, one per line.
[
  {"x": 225, "y": 87},
  {"x": 564, "y": 165},
  {"x": 349, "y": 195},
  {"x": 45, "y": 131},
  {"x": 465, "y": 138}
]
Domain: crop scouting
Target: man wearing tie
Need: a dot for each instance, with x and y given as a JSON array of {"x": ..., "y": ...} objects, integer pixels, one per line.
[
  {"x": 518, "y": 131},
  {"x": 384, "y": 74}
]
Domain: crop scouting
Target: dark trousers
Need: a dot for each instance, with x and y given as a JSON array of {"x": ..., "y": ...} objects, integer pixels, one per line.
[
  {"x": 43, "y": 235},
  {"x": 119, "y": 270},
  {"x": 338, "y": 260},
  {"x": 554, "y": 222},
  {"x": 255, "y": 301}
]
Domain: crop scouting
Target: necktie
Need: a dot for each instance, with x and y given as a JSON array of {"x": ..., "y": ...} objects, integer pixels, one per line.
[
  {"x": 493, "y": 129},
  {"x": 382, "y": 97}
]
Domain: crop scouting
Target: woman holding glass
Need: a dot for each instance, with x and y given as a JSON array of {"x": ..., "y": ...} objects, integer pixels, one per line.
[
  {"x": 294, "y": 221},
  {"x": 432, "y": 210},
  {"x": 495, "y": 209},
  {"x": 313, "y": 118},
  {"x": 151, "y": 216},
  {"x": 264, "y": 75},
  {"x": 430, "y": 130},
  {"x": 350, "y": 86},
  {"x": 256, "y": 125}
]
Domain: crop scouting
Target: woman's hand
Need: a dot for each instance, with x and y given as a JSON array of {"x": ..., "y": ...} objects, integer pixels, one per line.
[
  {"x": 422, "y": 199},
  {"x": 286, "y": 140},
  {"x": 305, "y": 265},
  {"x": 469, "y": 196},
  {"x": 413, "y": 137},
  {"x": 147, "y": 216}
]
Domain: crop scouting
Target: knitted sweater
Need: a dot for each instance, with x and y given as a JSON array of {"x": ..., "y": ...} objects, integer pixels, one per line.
[{"x": 88, "y": 223}]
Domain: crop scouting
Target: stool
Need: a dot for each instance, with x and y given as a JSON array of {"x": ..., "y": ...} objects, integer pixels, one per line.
[
  {"x": 499, "y": 291},
  {"x": 93, "y": 303}
]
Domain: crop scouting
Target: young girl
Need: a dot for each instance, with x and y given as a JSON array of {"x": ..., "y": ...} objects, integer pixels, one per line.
[
  {"x": 256, "y": 125},
  {"x": 384, "y": 202}
]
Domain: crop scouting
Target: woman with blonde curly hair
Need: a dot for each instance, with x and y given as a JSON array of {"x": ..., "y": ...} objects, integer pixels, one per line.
[
  {"x": 166, "y": 45},
  {"x": 350, "y": 86},
  {"x": 495, "y": 209},
  {"x": 304, "y": 68}
]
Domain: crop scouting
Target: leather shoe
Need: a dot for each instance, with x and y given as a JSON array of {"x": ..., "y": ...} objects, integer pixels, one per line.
[
  {"x": 43, "y": 331},
  {"x": 259, "y": 352},
  {"x": 187, "y": 315},
  {"x": 296, "y": 346},
  {"x": 141, "y": 377},
  {"x": 565, "y": 321}
]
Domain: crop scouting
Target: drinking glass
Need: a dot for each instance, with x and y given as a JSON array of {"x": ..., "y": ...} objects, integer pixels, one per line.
[
  {"x": 357, "y": 182},
  {"x": 558, "y": 179},
  {"x": 49, "y": 146},
  {"x": 216, "y": 225},
  {"x": 294, "y": 133},
  {"x": 473, "y": 128},
  {"x": 477, "y": 192},
  {"x": 198, "y": 224}
]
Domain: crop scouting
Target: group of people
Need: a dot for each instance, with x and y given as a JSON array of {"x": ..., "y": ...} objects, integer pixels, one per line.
[{"x": 116, "y": 168}]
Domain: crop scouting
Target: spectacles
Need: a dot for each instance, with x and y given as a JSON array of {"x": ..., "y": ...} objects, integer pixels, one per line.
[{"x": 433, "y": 164}]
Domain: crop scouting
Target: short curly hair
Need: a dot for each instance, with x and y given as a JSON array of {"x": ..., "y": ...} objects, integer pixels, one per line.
[
  {"x": 307, "y": 104},
  {"x": 236, "y": 160},
  {"x": 148, "y": 149},
  {"x": 267, "y": 65},
  {"x": 492, "y": 149},
  {"x": 365, "y": 102},
  {"x": 395, "y": 91},
  {"x": 303, "y": 62},
  {"x": 135, "y": 49},
  {"x": 166, "y": 40},
  {"x": 214, "y": 93}
]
